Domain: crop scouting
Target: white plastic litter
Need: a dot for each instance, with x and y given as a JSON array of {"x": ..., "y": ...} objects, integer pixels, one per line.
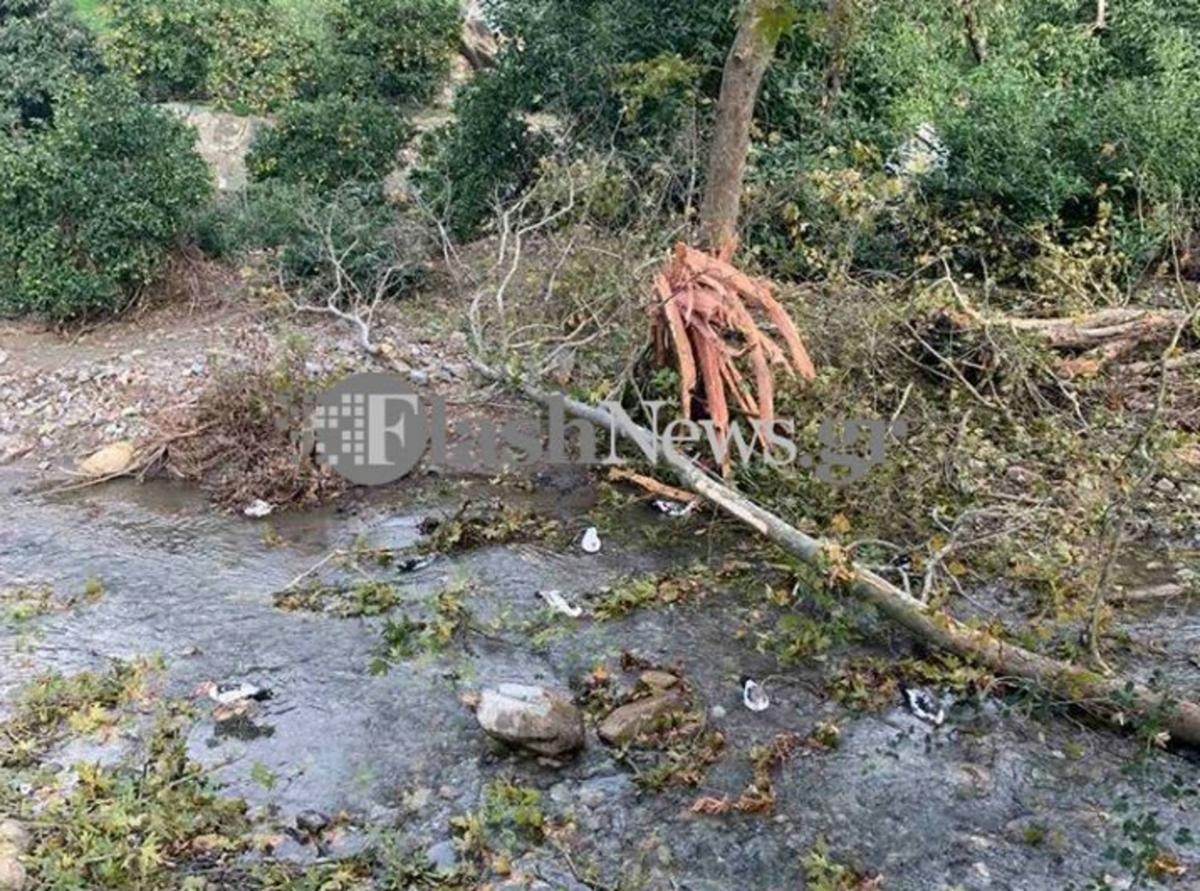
[
  {"x": 673, "y": 508},
  {"x": 755, "y": 697},
  {"x": 591, "y": 541},
  {"x": 922, "y": 704},
  {"x": 558, "y": 603},
  {"x": 257, "y": 509}
]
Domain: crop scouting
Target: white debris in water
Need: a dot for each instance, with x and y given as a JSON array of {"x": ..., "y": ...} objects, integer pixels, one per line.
[
  {"x": 922, "y": 704},
  {"x": 257, "y": 509},
  {"x": 560, "y": 604},
  {"x": 673, "y": 508},
  {"x": 591, "y": 541},
  {"x": 754, "y": 697}
]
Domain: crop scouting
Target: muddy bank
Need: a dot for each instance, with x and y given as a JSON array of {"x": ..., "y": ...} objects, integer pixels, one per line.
[{"x": 998, "y": 797}]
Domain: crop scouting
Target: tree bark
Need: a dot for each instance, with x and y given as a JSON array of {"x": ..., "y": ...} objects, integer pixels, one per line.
[
  {"x": 752, "y": 51},
  {"x": 975, "y": 36},
  {"x": 1121, "y": 701}
]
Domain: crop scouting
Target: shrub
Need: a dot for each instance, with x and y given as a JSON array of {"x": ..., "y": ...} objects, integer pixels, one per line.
[
  {"x": 329, "y": 141},
  {"x": 259, "y": 59},
  {"x": 43, "y": 50},
  {"x": 163, "y": 47},
  {"x": 307, "y": 228},
  {"x": 1060, "y": 133},
  {"x": 395, "y": 49},
  {"x": 10, "y": 9},
  {"x": 89, "y": 205},
  {"x": 245, "y": 55},
  {"x": 486, "y": 157}
]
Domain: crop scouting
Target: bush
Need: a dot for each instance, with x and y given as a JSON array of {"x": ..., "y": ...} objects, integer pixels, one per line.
[
  {"x": 307, "y": 228},
  {"x": 619, "y": 73},
  {"x": 396, "y": 49},
  {"x": 487, "y": 157},
  {"x": 89, "y": 205},
  {"x": 328, "y": 142},
  {"x": 1059, "y": 134},
  {"x": 259, "y": 59},
  {"x": 163, "y": 47},
  {"x": 43, "y": 50},
  {"x": 243, "y": 55}
]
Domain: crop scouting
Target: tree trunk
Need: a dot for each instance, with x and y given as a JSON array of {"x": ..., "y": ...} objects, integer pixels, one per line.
[
  {"x": 838, "y": 15},
  {"x": 752, "y": 51}
]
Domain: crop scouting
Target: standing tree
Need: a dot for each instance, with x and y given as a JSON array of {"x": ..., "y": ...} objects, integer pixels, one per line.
[
  {"x": 705, "y": 310},
  {"x": 762, "y": 24}
]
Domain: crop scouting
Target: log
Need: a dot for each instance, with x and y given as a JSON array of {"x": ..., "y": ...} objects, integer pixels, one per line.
[{"x": 1121, "y": 701}]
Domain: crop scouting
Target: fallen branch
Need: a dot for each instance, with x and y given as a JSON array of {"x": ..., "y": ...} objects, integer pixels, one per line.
[
  {"x": 1165, "y": 591},
  {"x": 653, "y": 486},
  {"x": 1121, "y": 701}
]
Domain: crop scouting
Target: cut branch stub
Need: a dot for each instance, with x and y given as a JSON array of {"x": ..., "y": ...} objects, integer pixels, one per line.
[{"x": 703, "y": 314}]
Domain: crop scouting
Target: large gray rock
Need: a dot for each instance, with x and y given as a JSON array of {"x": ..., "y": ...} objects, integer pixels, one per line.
[
  {"x": 222, "y": 140},
  {"x": 541, "y": 720}
]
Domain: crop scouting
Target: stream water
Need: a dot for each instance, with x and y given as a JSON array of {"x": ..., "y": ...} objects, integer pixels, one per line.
[{"x": 998, "y": 798}]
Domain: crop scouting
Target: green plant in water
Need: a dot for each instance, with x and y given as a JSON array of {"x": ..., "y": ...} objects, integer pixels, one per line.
[{"x": 510, "y": 820}]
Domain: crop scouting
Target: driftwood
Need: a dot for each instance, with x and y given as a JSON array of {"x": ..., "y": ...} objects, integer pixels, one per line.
[{"x": 1121, "y": 701}]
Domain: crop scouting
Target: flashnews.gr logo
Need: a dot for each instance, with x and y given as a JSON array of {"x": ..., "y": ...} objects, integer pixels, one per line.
[{"x": 371, "y": 429}]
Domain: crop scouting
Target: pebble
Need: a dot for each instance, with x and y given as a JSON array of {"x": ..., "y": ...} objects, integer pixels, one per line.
[
  {"x": 311, "y": 822},
  {"x": 443, "y": 856}
]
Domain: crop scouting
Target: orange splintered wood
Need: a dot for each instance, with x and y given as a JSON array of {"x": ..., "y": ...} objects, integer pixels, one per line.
[
  {"x": 683, "y": 350},
  {"x": 703, "y": 312}
]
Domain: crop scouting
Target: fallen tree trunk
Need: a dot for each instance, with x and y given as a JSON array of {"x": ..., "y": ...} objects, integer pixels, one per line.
[
  {"x": 1119, "y": 700},
  {"x": 1138, "y": 325}
]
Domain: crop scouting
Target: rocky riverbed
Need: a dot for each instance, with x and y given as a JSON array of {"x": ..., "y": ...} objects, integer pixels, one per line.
[{"x": 1004, "y": 794}]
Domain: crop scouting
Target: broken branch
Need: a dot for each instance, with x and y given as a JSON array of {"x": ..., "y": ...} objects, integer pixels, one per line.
[{"x": 1119, "y": 699}]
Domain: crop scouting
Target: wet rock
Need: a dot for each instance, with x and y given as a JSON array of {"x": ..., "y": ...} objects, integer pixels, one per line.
[
  {"x": 110, "y": 460},
  {"x": 609, "y": 789},
  {"x": 443, "y": 857},
  {"x": 541, "y": 720},
  {"x": 312, "y": 822},
  {"x": 629, "y": 720},
  {"x": 658, "y": 680}
]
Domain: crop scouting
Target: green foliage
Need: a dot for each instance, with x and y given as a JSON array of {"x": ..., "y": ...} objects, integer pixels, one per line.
[
  {"x": 43, "y": 51},
  {"x": 53, "y": 702},
  {"x": 131, "y": 825},
  {"x": 329, "y": 141},
  {"x": 510, "y": 820},
  {"x": 259, "y": 59},
  {"x": 614, "y": 71},
  {"x": 245, "y": 55},
  {"x": 396, "y": 49},
  {"x": 1060, "y": 133},
  {"x": 486, "y": 158},
  {"x": 823, "y": 872},
  {"x": 163, "y": 47},
  {"x": 314, "y": 234},
  {"x": 90, "y": 204}
]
